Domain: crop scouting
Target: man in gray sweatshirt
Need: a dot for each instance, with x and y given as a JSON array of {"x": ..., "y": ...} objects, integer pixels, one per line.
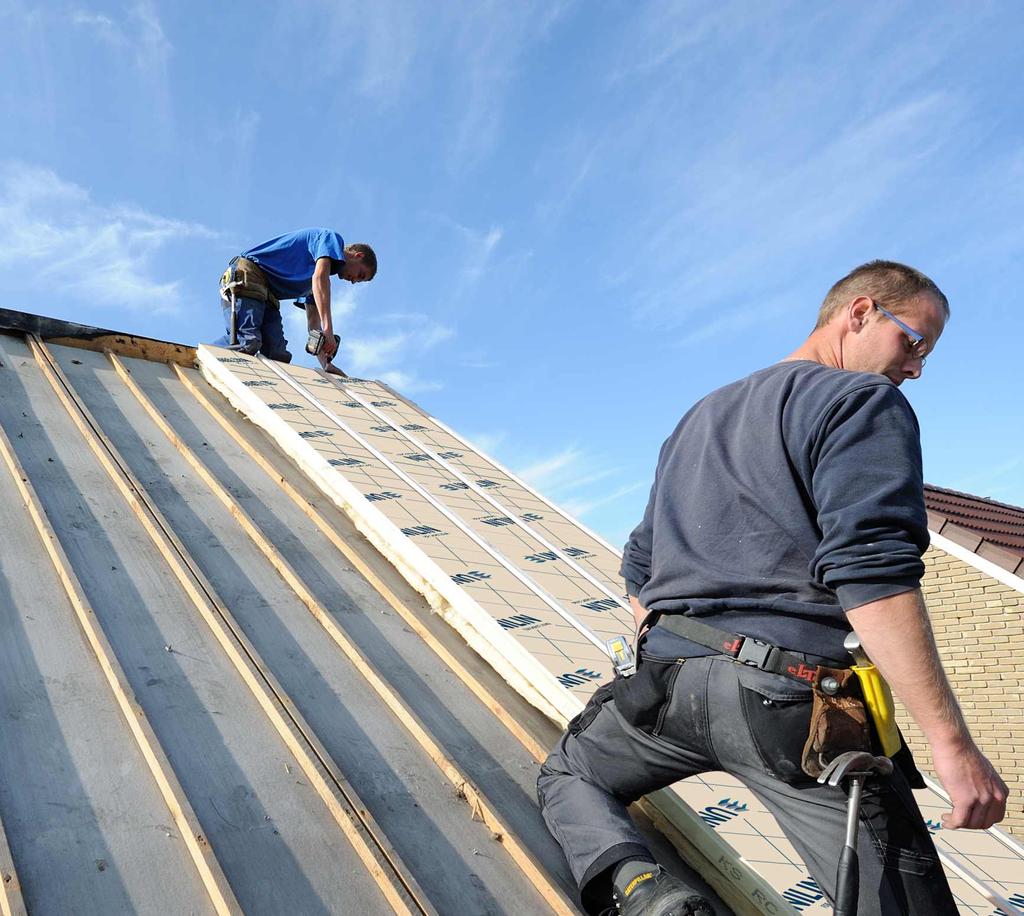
[{"x": 787, "y": 508}]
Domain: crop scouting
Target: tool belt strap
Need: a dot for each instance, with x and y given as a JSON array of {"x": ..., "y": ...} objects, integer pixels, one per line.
[
  {"x": 247, "y": 281},
  {"x": 744, "y": 649}
]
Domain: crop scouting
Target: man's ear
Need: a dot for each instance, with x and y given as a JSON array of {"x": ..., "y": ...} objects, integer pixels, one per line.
[
  {"x": 857, "y": 312},
  {"x": 351, "y": 255}
]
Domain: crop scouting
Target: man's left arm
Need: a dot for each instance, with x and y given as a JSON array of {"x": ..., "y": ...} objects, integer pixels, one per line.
[
  {"x": 868, "y": 490},
  {"x": 896, "y": 633}
]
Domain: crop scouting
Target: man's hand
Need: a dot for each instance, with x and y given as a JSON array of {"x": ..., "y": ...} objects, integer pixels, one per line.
[
  {"x": 976, "y": 790},
  {"x": 329, "y": 347}
]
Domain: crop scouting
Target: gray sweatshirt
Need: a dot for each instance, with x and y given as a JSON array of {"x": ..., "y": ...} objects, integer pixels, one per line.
[{"x": 780, "y": 502}]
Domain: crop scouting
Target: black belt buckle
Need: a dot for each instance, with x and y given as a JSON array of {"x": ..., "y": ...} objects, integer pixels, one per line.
[{"x": 753, "y": 652}]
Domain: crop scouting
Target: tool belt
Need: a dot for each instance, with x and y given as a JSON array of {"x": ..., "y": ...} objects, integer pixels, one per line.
[
  {"x": 839, "y": 717},
  {"x": 245, "y": 279}
]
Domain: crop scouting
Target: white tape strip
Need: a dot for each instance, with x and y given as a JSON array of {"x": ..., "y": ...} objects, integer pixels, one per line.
[{"x": 443, "y": 509}]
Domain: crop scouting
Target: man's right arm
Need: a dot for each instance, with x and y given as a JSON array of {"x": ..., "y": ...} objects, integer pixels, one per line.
[
  {"x": 639, "y": 611},
  {"x": 897, "y": 635},
  {"x": 322, "y": 298}
]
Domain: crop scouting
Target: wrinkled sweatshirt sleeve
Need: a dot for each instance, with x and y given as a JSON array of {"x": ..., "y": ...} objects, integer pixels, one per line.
[
  {"x": 636, "y": 555},
  {"x": 868, "y": 490}
]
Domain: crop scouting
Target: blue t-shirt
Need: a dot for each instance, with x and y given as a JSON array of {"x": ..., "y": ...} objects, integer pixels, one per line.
[{"x": 288, "y": 262}]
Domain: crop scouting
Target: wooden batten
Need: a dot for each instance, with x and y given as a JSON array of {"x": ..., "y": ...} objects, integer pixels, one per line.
[{"x": 87, "y": 337}]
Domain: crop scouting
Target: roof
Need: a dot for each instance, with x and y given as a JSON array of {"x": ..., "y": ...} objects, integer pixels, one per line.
[
  {"x": 215, "y": 694},
  {"x": 223, "y": 690},
  {"x": 991, "y": 529}
]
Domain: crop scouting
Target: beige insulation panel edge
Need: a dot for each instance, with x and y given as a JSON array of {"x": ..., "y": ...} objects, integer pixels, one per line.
[{"x": 520, "y": 669}]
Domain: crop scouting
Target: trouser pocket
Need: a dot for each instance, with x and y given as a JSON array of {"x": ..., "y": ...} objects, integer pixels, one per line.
[
  {"x": 777, "y": 712},
  {"x": 643, "y": 698},
  {"x": 597, "y": 699},
  {"x": 911, "y": 868}
]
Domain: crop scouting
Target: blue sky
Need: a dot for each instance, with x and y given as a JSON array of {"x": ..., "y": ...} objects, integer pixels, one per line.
[{"x": 588, "y": 215}]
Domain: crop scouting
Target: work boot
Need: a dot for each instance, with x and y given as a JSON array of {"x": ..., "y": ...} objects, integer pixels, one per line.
[{"x": 657, "y": 893}]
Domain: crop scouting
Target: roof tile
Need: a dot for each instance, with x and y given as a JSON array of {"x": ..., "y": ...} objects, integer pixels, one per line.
[
  {"x": 992, "y": 529},
  {"x": 999, "y": 555}
]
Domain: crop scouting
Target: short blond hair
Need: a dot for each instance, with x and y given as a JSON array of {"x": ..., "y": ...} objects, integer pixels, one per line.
[{"x": 892, "y": 284}]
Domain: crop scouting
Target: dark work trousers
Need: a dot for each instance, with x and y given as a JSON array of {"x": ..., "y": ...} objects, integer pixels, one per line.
[
  {"x": 258, "y": 329},
  {"x": 678, "y": 717}
]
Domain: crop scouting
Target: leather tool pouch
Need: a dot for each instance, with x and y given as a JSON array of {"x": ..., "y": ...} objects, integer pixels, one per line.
[
  {"x": 250, "y": 282},
  {"x": 839, "y": 720}
]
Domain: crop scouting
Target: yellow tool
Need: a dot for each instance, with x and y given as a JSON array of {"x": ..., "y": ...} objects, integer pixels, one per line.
[{"x": 877, "y": 696}]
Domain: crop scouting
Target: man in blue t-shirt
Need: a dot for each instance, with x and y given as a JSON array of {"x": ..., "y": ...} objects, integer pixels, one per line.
[{"x": 296, "y": 266}]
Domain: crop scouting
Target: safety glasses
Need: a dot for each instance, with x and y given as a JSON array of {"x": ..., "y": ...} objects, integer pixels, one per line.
[{"x": 917, "y": 346}]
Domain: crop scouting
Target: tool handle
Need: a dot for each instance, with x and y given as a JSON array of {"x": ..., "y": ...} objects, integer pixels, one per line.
[
  {"x": 233, "y": 341},
  {"x": 847, "y": 883}
]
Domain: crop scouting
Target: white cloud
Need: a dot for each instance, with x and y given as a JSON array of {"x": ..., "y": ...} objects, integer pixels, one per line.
[
  {"x": 344, "y": 301},
  {"x": 486, "y": 442},
  {"x": 577, "y": 481},
  {"x": 103, "y": 25},
  {"x": 481, "y": 246},
  {"x": 295, "y": 331},
  {"x": 566, "y": 471},
  {"x": 476, "y": 359},
  {"x": 393, "y": 356},
  {"x": 139, "y": 32},
  {"x": 541, "y": 473},
  {"x": 374, "y": 52},
  {"x": 727, "y": 324},
  {"x": 406, "y": 383},
  {"x": 368, "y": 354},
  {"x": 488, "y": 46},
  {"x": 566, "y": 171},
  {"x": 738, "y": 221},
  {"x": 580, "y": 507},
  {"x": 475, "y": 50},
  {"x": 471, "y": 252},
  {"x": 662, "y": 32},
  {"x": 344, "y": 298},
  {"x": 58, "y": 240}
]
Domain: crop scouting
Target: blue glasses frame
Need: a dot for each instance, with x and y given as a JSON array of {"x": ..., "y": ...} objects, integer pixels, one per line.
[{"x": 916, "y": 344}]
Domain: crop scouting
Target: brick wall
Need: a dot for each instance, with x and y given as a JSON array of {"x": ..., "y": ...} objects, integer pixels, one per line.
[{"x": 979, "y": 628}]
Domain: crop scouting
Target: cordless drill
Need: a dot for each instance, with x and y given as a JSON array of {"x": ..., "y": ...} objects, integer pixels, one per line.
[{"x": 315, "y": 342}]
